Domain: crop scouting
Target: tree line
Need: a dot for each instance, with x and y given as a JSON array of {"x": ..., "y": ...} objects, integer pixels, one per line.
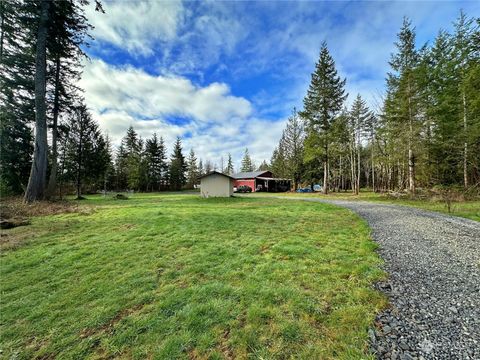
[{"x": 424, "y": 132}]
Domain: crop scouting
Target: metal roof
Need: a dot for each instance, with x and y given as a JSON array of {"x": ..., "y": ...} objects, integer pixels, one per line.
[
  {"x": 267, "y": 178},
  {"x": 216, "y": 172},
  {"x": 249, "y": 175}
]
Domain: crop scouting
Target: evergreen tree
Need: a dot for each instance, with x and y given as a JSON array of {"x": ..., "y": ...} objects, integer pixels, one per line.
[
  {"x": 68, "y": 30},
  {"x": 403, "y": 95},
  {"x": 178, "y": 167},
  {"x": 324, "y": 99},
  {"x": 17, "y": 112},
  {"x": 292, "y": 139},
  {"x": 201, "y": 171},
  {"x": 229, "y": 169},
  {"x": 208, "y": 167},
  {"x": 83, "y": 157},
  {"x": 155, "y": 163},
  {"x": 278, "y": 162},
  {"x": 192, "y": 170},
  {"x": 359, "y": 116},
  {"x": 247, "y": 164},
  {"x": 263, "y": 166},
  {"x": 38, "y": 174},
  {"x": 131, "y": 161}
]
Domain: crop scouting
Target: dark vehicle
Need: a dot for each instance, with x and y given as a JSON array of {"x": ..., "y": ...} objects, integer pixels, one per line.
[
  {"x": 244, "y": 189},
  {"x": 304, "y": 190}
]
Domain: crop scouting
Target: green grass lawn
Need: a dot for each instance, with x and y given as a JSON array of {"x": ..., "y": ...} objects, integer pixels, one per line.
[
  {"x": 180, "y": 277},
  {"x": 466, "y": 209}
]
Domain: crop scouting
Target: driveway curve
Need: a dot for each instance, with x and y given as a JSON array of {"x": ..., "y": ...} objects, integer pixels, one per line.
[{"x": 433, "y": 266}]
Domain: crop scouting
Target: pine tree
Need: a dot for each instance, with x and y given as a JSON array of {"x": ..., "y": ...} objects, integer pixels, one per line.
[
  {"x": 293, "y": 138},
  {"x": 154, "y": 159},
  {"x": 404, "y": 94},
  {"x": 82, "y": 155},
  {"x": 229, "y": 169},
  {"x": 131, "y": 161},
  {"x": 17, "y": 108},
  {"x": 263, "y": 166},
  {"x": 192, "y": 170},
  {"x": 177, "y": 167},
  {"x": 359, "y": 116},
  {"x": 208, "y": 167},
  {"x": 67, "y": 34},
  {"x": 466, "y": 58},
  {"x": 324, "y": 100},
  {"x": 38, "y": 174},
  {"x": 247, "y": 164},
  {"x": 278, "y": 162}
]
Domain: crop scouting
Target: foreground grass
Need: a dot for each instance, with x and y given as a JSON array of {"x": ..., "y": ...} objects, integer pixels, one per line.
[
  {"x": 179, "y": 277},
  {"x": 466, "y": 209}
]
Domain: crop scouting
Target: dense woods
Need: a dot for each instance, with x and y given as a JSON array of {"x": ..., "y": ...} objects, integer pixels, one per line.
[{"x": 425, "y": 131}]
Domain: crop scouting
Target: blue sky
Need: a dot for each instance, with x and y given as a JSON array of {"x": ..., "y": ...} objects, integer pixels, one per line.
[{"x": 226, "y": 75}]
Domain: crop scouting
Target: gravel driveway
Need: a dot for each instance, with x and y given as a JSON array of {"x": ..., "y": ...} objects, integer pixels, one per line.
[{"x": 433, "y": 262}]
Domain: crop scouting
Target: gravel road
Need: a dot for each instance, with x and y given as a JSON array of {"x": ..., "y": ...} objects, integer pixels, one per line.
[{"x": 433, "y": 266}]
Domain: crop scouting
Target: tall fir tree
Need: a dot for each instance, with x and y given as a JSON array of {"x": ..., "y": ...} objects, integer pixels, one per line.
[
  {"x": 403, "y": 96},
  {"x": 293, "y": 138},
  {"x": 247, "y": 163},
  {"x": 177, "y": 167},
  {"x": 324, "y": 100},
  {"x": 155, "y": 163},
  {"x": 229, "y": 168},
  {"x": 192, "y": 170}
]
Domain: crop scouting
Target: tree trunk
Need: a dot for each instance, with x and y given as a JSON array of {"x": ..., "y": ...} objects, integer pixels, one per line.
[
  {"x": 2, "y": 31},
  {"x": 325, "y": 172},
  {"x": 411, "y": 158},
  {"x": 52, "y": 183},
  {"x": 80, "y": 158},
  {"x": 373, "y": 171},
  {"x": 36, "y": 182},
  {"x": 357, "y": 187},
  {"x": 465, "y": 145}
]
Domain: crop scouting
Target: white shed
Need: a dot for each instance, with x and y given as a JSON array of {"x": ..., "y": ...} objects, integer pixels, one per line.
[{"x": 216, "y": 184}]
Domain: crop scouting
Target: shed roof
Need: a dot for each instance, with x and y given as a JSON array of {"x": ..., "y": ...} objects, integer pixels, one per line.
[
  {"x": 249, "y": 175},
  {"x": 216, "y": 172}
]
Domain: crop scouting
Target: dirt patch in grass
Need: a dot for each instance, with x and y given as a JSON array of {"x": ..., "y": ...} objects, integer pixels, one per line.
[
  {"x": 108, "y": 327},
  {"x": 15, "y": 208}
]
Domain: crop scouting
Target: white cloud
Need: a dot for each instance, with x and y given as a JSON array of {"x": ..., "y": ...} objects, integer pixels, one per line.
[
  {"x": 136, "y": 25},
  {"x": 137, "y": 92},
  {"x": 209, "y": 119}
]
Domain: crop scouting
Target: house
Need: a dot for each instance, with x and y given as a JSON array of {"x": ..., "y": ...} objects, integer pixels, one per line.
[
  {"x": 216, "y": 184},
  {"x": 261, "y": 181}
]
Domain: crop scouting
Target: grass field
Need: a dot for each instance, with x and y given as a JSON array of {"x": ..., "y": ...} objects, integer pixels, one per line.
[
  {"x": 466, "y": 209},
  {"x": 179, "y": 277}
]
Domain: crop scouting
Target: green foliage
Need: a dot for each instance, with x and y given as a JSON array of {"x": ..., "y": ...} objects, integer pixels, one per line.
[
  {"x": 178, "y": 167},
  {"x": 247, "y": 163},
  {"x": 324, "y": 100},
  {"x": 229, "y": 169},
  {"x": 192, "y": 170}
]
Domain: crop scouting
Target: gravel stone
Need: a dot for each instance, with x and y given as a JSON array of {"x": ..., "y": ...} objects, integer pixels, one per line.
[
  {"x": 433, "y": 262},
  {"x": 433, "y": 266}
]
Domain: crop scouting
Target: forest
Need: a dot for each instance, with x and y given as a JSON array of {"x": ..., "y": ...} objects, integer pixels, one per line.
[{"x": 423, "y": 133}]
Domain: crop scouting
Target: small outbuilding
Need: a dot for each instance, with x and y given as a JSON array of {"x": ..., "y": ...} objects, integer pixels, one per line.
[{"x": 216, "y": 184}]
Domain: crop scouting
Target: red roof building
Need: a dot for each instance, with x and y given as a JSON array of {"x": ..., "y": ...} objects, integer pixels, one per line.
[{"x": 261, "y": 181}]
